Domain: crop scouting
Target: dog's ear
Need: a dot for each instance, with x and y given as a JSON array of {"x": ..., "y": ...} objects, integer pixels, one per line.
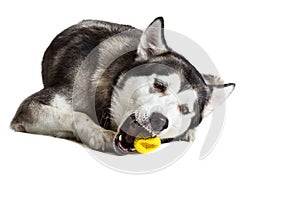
[
  {"x": 219, "y": 92},
  {"x": 152, "y": 41}
]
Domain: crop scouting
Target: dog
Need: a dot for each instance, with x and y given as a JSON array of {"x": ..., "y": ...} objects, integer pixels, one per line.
[{"x": 104, "y": 83}]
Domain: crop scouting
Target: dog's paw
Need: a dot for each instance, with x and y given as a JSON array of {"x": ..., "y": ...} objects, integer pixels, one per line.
[
  {"x": 102, "y": 141},
  {"x": 17, "y": 127},
  {"x": 109, "y": 137}
]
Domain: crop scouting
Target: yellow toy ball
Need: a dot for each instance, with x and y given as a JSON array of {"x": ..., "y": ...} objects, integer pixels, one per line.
[{"x": 146, "y": 145}]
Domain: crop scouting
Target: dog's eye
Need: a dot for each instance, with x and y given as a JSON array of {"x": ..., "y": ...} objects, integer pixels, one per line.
[
  {"x": 184, "y": 109},
  {"x": 159, "y": 86}
]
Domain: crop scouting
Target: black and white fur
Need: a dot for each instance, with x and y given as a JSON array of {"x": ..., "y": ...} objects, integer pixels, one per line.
[{"x": 188, "y": 96}]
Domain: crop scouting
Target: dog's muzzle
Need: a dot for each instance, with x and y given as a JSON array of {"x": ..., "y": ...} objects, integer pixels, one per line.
[{"x": 131, "y": 129}]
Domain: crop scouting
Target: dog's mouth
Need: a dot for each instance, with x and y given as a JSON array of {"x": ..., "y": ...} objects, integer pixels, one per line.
[{"x": 129, "y": 130}]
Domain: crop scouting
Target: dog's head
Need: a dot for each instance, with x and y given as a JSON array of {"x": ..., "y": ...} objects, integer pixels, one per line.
[{"x": 163, "y": 94}]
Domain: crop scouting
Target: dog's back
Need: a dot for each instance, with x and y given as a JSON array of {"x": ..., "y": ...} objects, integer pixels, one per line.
[{"x": 70, "y": 48}]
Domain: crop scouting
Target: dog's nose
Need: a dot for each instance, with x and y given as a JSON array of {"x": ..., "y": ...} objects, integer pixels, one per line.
[{"x": 158, "y": 121}]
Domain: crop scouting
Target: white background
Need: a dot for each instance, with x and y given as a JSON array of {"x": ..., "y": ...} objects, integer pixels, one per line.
[{"x": 255, "y": 44}]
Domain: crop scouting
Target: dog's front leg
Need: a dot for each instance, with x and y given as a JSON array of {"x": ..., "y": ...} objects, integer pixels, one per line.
[
  {"x": 38, "y": 118},
  {"x": 91, "y": 134}
]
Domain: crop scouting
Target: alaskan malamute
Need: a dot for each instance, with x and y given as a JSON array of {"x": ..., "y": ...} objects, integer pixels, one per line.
[{"x": 104, "y": 83}]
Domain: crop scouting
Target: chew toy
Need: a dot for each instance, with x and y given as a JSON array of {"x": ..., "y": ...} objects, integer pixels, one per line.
[{"x": 146, "y": 145}]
